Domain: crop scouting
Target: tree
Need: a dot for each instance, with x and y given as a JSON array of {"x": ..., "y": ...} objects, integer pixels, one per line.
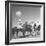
[
  {"x": 14, "y": 30},
  {"x": 35, "y": 27},
  {"x": 38, "y": 28}
]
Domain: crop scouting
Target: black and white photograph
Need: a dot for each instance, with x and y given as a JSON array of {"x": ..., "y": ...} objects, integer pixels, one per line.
[{"x": 25, "y": 22}]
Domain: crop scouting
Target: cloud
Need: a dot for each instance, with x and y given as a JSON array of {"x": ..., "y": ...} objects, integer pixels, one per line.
[{"x": 18, "y": 13}]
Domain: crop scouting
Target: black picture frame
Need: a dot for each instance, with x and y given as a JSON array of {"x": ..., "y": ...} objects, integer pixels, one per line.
[{"x": 7, "y": 22}]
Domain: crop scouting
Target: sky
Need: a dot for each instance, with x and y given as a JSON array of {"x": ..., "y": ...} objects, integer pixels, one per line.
[{"x": 27, "y": 13}]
